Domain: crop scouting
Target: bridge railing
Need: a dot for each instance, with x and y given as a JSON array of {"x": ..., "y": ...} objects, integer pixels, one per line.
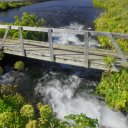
[{"x": 86, "y": 35}]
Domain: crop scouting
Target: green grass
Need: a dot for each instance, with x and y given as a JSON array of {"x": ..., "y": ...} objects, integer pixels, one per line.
[
  {"x": 114, "y": 87},
  {"x": 9, "y": 5},
  {"x": 113, "y": 19}
]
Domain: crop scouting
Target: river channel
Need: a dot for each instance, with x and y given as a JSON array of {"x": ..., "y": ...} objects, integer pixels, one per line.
[{"x": 67, "y": 88}]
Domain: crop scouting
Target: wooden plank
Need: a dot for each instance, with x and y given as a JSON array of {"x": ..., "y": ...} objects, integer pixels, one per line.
[
  {"x": 86, "y": 48},
  {"x": 61, "y": 60},
  {"x": 4, "y": 38},
  {"x": 21, "y": 41},
  {"x": 73, "y": 56},
  {"x": 67, "y": 48},
  {"x": 51, "y": 44},
  {"x": 117, "y": 48}
]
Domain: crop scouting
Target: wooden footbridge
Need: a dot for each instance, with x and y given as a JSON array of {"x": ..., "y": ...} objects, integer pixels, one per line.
[{"x": 80, "y": 55}]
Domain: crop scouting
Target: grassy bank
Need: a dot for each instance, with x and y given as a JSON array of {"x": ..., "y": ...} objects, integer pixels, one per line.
[
  {"x": 113, "y": 86},
  {"x": 114, "y": 19},
  {"x": 9, "y": 5}
]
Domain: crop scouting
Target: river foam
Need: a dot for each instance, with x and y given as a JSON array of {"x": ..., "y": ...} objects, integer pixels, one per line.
[
  {"x": 65, "y": 99},
  {"x": 65, "y": 38}
]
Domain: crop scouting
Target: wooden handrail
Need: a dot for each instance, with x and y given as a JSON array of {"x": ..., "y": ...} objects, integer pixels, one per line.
[
  {"x": 5, "y": 35},
  {"x": 120, "y": 53},
  {"x": 69, "y": 31}
]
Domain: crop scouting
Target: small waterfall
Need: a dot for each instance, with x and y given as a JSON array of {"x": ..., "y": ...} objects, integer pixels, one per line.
[
  {"x": 67, "y": 93},
  {"x": 65, "y": 98}
]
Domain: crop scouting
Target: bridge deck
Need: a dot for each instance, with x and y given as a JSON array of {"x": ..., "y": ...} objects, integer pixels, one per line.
[{"x": 66, "y": 54}]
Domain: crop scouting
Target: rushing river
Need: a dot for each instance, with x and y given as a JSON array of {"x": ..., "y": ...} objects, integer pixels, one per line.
[{"x": 68, "y": 89}]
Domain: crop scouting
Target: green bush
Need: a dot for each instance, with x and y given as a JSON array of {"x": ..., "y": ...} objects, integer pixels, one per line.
[
  {"x": 15, "y": 113},
  {"x": 19, "y": 65},
  {"x": 32, "y": 124},
  {"x": 82, "y": 121},
  {"x": 3, "y": 5},
  {"x": 31, "y": 20},
  {"x": 9, "y": 111},
  {"x": 114, "y": 87},
  {"x": 109, "y": 61},
  {"x": 5, "y": 119},
  {"x": 11, "y": 103},
  {"x": 27, "y": 111}
]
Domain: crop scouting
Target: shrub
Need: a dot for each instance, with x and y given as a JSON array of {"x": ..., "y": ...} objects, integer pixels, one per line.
[
  {"x": 46, "y": 114},
  {"x": 31, "y": 20},
  {"x": 114, "y": 87},
  {"x": 5, "y": 119},
  {"x": 32, "y": 124},
  {"x": 27, "y": 111},
  {"x": 82, "y": 121},
  {"x": 3, "y": 5},
  {"x": 11, "y": 103},
  {"x": 109, "y": 61},
  {"x": 19, "y": 65}
]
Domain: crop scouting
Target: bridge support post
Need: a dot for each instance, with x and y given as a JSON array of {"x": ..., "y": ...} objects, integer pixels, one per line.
[
  {"x": 21, "y": 42},
  {"x": 119, "y": 52},
  {"x": 4, "y": 38},
  {"x": 50, "y": 44},
  {"x": 86, "y": 49}
]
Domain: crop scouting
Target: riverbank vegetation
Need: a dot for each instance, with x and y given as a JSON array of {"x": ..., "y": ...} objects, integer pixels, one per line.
[
  {"x": 15, "y": 113},
  {"x": 113, "y": 19},
  {"x": 9, "y": 5},
  {"x": 114, "y": 87},
  {"x": 27, "y": 19}
]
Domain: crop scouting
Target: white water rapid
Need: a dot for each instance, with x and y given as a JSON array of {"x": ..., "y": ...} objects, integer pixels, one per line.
[
  {"x": 65, "y": 99},
  {"x": 64, "y": 38}
]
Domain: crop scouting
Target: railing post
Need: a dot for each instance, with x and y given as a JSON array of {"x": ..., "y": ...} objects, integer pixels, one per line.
[
  {"x": 4, "y": 38},
  {"x": 21, "y": 42},
  {"x": 50, "y": 44},
  {"x": 86, "y": 49},
  {"x": 117, "y": 48}
]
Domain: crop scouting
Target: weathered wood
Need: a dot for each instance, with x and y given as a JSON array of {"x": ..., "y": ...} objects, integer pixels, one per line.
[
  {"x": 21, "y": 42},
  {"x": 118, "y": 35},
  {"x": 117, "y": 48},
  {"x": 67, "y": 54},
  {"x": 86, "y": 48},
  {"x": 61, "y": 60},
  {"x": 50, "y": 44},
  {"x": 5, "y": 35},
  {"x": 70, "y": 48}
]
